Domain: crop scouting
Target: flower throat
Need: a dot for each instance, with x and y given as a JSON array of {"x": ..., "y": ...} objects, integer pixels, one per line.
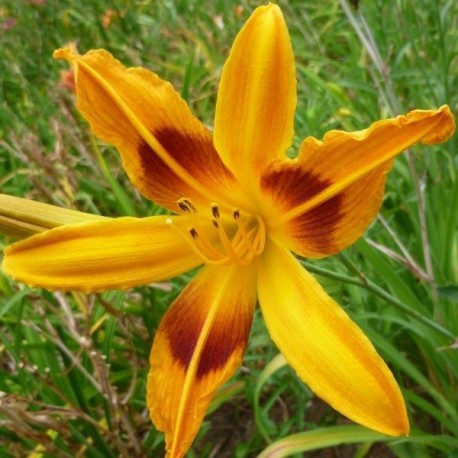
[{"x": 233, "y": 237}]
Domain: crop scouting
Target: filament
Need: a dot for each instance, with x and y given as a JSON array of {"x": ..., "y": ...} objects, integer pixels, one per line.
[{"x": 240, "y": 244}]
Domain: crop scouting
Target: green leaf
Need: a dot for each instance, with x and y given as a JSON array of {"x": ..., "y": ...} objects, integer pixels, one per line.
[
  {"x": 277, "y": 363},
  {"x": 321, "y": 438},
  {"x": 449, "y": 292}
]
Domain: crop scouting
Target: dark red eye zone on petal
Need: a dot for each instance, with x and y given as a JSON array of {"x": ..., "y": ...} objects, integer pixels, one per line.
[
  {"x": 194, "y": 153},
  {"x": 185, "y": 321},
  {"x": 290, "y": 185},
  {"x": 317, "y": 226},
  {"x": 157, "y": 176}
]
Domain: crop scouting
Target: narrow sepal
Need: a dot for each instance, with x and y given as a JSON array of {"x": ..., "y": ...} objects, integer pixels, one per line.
[{"x": 101, "y": 255}]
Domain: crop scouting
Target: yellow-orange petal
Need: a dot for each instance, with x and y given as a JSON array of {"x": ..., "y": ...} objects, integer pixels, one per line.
[
  {"x": 198, "y": 346},
  {"x": 167, "y": 152},
  {"x": 101, "y": 255},
  {"x": 324, "y": 200},
  {"x": 257, "y": 96},
  {"x": 325, "y": 347}
]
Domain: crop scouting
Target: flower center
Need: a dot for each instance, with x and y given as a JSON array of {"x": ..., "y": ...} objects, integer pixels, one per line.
[{"x": 221, "y": 238}]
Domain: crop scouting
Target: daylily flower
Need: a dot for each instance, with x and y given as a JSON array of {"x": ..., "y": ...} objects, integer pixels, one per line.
[{"x": 240, "y": 208}]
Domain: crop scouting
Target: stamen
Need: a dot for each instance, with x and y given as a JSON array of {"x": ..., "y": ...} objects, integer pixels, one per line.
[
  {"x": 190, "y": 205},
  {"x": 246, "y": 241},
  {"x": 243, "y": 250},
  {"x": 197, "y": 244},
  {"x": 186, "y": 205},
  {"x": 260, "y": 238},
  {"x": 242, "y": 229},
  {"x": 245, "y": 244},
  {"x": 225, "y": 240},
  {"x": 193, "y": 233},
  {"x": 255, "y": 245},
  {"x": 215, "y": 211},
  {"x": 204, "y": 245},
  {"x": 242, "y": 244},
  {"x": 183, "y": 206}
]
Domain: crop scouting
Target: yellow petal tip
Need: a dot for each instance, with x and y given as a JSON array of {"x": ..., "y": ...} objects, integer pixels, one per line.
[
  {"x": 445, "y": 128},
  {"x": 64, "y": 53},
  {"x": 401, "y": 429},
  {"x": 270, "y": 8},
  {"x": 395, "y": 423}
]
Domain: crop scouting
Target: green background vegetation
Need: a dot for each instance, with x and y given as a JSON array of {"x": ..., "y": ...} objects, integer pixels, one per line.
[{"x": 73, "y": 368}]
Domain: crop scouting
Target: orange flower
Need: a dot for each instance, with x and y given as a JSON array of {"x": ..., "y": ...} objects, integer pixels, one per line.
[{"x": 239, "y": 208}]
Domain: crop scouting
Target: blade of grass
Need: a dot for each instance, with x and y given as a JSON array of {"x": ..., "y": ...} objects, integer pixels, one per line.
[{"x": 320, "y": 438}]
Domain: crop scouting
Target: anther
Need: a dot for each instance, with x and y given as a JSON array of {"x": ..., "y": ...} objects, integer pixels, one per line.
[
  {"x": 193, "y": 233},
  {"x": 190, "y": 205},
  {"x": 183, "y": 206},
  {"x": 186, "y": 205},
  {"x": 215, "y": 211},
  {"x": 239, "y": 242}
]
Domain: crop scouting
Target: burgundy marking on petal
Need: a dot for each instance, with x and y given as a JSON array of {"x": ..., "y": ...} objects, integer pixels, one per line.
[
  {"x": 224, "y": 339},
  {"x": 183, "y": 324},
  {"x": 158, "y": 179},
  {"x": 292, "y": 185},
  {"x": 182, "y": 329},
  {"x": 316, "y": 227},
  {"x": 195, "y": 153}
]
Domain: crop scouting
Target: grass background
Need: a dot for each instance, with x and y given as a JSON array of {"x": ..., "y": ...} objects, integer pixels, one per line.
[{"x": 73, "y": 367}]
